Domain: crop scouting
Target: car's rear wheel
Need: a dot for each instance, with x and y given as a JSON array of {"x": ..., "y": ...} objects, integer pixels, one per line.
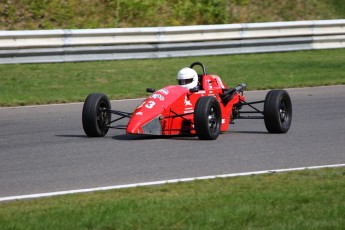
[
  {"x": 277, "y": 111},
  {"x": 207, "y": 118},
  {"x": 96, "y": 117}
]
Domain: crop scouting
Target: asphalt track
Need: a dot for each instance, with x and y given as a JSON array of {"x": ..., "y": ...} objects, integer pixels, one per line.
[{"x": 44, "y": 149}]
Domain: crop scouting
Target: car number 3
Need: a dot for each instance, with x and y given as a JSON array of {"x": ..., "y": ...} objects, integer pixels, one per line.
[{"x": 150, "y": 104}]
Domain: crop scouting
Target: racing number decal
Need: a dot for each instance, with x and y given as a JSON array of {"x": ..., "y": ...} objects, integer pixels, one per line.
[
  {"x": 150, "y": 104},
  {"x": 147, "y": 104}
]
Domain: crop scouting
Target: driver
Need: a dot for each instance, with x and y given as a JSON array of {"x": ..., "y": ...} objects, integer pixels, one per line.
[{"x": 187, "y": 78}]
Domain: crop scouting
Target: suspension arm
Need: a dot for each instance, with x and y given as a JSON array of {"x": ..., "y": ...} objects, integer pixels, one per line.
[
  {"x": 119, "y": 113},
  {"x": 250, "y": 105}
]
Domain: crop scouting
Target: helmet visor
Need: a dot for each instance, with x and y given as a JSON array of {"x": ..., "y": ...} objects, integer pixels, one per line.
[{"x": 185, "y": 81}]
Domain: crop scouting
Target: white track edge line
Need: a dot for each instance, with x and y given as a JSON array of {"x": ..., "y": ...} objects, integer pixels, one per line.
[{"x": 50, "y": 194}]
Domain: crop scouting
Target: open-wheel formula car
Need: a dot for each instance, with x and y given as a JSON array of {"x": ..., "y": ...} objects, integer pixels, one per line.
[{"x": 205, "y": 110}]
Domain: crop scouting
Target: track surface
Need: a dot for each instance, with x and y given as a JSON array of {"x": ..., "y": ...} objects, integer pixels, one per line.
[{"x": 44, "y": 149}]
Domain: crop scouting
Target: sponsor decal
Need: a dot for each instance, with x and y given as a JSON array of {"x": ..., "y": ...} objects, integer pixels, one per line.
[
  {"x": 189, "y": 111},
  {"x": 187, "y": 102},
  {"x": 159, "y": 96},
  {"x": 210, "y": 84},
  {"x": 163, "y": 91}
]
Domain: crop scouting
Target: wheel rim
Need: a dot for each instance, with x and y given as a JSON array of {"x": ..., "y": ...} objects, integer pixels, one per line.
[
  {"x": 283, "y": 113},
  {"x": 102, "y": 115},
  {"x": 212, "y": 120}
]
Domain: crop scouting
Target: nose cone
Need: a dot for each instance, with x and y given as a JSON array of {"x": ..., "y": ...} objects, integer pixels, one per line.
[
  {"x": 147, "y": 117},
  {"x": 134, "y": 127},
  {"x": 151, "y": 127},
  {"x": 145, "y": 121}
]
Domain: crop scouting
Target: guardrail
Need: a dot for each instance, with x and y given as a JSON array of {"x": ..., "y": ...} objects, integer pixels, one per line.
[{"x": 42, "y": 46}]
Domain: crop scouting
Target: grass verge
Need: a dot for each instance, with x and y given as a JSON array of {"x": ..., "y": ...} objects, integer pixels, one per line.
[
  {"x": 25, "y": 84},
  {"x": 309, "y": 199}
]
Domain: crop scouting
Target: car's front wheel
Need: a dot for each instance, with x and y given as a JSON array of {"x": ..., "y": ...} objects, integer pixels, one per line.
[
  {"x": 207, "y": 118},
  {"x": 96, "y": 116},
  {"x": 277, "y": 111}
]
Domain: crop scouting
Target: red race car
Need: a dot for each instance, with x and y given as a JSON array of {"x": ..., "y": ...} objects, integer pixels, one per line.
[{"x": 200, "y": 105}]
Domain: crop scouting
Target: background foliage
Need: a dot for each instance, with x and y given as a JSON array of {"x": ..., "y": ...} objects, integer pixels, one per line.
[{"x": 79, "y": 14}]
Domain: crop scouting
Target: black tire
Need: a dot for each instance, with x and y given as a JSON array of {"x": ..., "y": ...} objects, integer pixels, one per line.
[
  {"x": 277, "y": 111},
  {"x": 95, "y": 118},
  {"x": 207, "y": 118}
]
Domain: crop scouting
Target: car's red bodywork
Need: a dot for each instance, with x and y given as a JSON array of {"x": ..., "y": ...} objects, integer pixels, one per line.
[{"x": 160, "y": 114}]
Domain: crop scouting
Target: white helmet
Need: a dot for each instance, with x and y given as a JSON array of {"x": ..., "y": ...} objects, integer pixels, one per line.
[{"x": 187, "y": 78}]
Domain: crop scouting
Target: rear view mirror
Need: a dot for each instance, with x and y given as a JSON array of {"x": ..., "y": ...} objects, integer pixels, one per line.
[{"x": 150, "y": 90}]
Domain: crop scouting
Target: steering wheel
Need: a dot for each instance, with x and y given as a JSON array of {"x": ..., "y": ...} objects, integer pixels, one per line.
[{"x": 199, "y": 64}]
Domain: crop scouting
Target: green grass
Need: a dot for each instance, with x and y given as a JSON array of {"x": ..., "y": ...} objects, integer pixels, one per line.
[
  {"x": 25, "y": 84},
  {"x": 309, "y": 199}
]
